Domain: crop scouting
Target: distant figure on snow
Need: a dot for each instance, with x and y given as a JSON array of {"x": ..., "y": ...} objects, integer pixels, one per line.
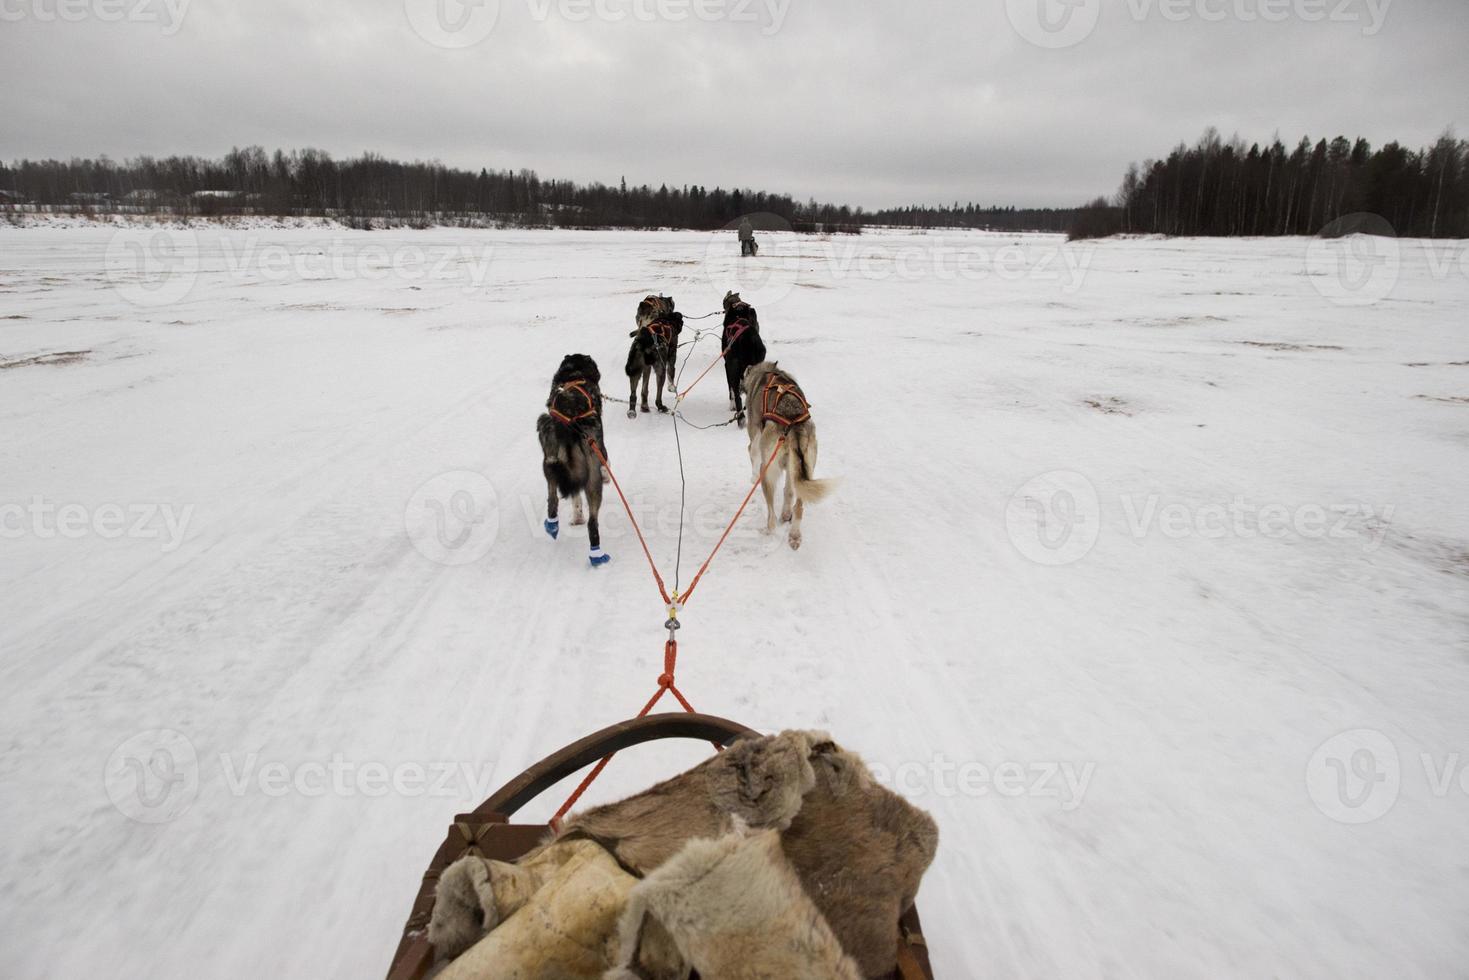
[{"x": 748, "y": 245}]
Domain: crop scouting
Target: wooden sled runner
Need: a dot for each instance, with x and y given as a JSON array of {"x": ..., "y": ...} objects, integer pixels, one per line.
[{"x": 488, "y": 832}]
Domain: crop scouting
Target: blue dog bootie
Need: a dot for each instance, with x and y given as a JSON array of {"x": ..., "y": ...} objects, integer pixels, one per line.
[
  {"x": 597, "y": 558},
  {"x": 553, "y": 527}
]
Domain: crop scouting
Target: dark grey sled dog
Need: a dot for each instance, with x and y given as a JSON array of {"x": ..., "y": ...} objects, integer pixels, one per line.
[
  {"x": 573, "y": 418},
  {"x": 742, "y": 346},
  {"x": 654, "y": 350}
]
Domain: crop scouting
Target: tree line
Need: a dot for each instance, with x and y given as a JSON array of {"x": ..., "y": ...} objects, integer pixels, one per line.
[
  {"x": 1219, "y": 187},
  {"x": 311, "y": 183},
  {"x": 372, "y": 189},
  {"x": 976, "y": 217}
]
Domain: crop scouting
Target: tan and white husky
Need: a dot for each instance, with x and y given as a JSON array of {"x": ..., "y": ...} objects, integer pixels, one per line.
[{"x": 777, "y": 407}]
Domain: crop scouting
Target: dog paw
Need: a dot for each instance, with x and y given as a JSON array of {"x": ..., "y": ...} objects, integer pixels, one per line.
[
  {"x": 553, "y": 528},
  {"x": 786, "y": 517},
  {"x": 645, "y": 409},
  {"x": 795, "y": 540},
  {"x": 632, "y": 413},
  {"x": 598, "y": 558},
  {"x": 662, "y": 409}
]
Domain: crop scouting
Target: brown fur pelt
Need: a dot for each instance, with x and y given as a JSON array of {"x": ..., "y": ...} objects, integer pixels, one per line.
[
  {"x": 861, "y": 851},
  {"x": 759, "y": 781},
  {"x": 858, "y": 849},
  {"x": 734, "y": 910}
]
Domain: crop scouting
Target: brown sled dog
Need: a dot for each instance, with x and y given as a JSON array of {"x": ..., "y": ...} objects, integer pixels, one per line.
[
  {"x": 777, "y": 407},
  {"x": 573, "y": 419},
  {"x": 654, "y": 350}
]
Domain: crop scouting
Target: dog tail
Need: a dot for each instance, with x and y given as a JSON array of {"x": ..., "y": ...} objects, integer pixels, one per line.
[
  {"x": 557, "y": 455},
  {"x": 803, "y": 466}
]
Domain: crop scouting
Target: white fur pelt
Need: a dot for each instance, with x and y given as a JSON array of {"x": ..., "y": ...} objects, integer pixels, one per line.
[
  {"x": 735, "y": 910},
  {"x": 564, "y": 929}
]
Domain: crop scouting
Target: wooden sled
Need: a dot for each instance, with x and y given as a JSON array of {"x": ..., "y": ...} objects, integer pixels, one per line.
[{"x": 488, "y": 832}]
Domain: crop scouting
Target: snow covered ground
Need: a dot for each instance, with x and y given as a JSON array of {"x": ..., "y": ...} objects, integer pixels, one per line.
[{"x": 1148, "y": 575}]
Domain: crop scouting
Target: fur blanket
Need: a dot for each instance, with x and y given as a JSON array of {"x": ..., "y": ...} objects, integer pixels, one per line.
[
  {"x": 735, "y": 910},
  {"x": 796, "y": 805}
]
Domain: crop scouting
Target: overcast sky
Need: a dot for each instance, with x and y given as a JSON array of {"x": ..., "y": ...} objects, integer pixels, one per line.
[{"x": 872, "y": 103}]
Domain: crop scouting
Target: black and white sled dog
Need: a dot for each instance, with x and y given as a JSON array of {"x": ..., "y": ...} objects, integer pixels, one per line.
[
  {"x": 654, "y": 350},
  {"x": 743, "y": 346},
  {"x": 778, "y": 407},
  {"x": 573, "y": 417}
]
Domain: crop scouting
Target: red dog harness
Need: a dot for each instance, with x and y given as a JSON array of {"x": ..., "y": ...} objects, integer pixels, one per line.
[
  {"x": 769, "y": 407},
  {"x": 580, "y": 387},
  {"x": 662, "y": 332},
  {"x": 734, "y": 331}
]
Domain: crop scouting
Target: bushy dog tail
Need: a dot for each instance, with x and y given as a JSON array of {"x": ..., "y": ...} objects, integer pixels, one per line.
[
  {"x": 803, "y": 466},
  {"x": 557, "y": 454}
]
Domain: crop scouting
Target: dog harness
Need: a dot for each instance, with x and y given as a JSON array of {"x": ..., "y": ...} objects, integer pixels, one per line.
[
  {"x": 662, "y": 332},
  {"x": 769, "y": 406},
  {"x": 734, "y": 331},
  {"x": 579, "y": 386}
]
